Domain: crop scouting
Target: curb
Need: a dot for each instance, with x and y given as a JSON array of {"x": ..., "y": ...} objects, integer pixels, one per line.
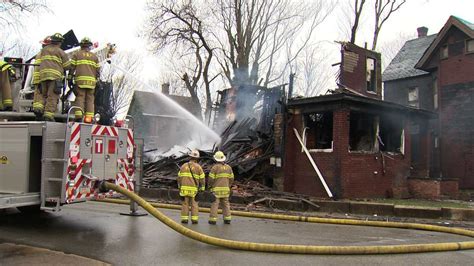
[{"x": 353, "y": 207}]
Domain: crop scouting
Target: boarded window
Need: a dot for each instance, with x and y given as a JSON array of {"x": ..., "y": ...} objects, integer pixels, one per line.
[
  {"x": 413, "y": 97},
  {"x": 362, "y": 132},
  {"x": 371, "y": 75},
  {"x": 318, "y": 130},
  {"x": 390, "y": 132}
]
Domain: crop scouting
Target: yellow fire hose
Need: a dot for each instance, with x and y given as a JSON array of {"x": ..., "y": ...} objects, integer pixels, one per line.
[{"x": 303, "y": 249}]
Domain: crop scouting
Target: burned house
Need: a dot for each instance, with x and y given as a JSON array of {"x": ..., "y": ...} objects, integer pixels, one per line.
[
  {"x": 359, "y": 143},
  {"x": 436, "y": 73}
]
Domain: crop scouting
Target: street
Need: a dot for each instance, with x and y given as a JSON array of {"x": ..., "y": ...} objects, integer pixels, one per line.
[{"x": 96, "y": 230}]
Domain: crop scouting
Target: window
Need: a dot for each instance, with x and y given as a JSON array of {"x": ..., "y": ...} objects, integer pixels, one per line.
[
  {"x": 362, "y": 132},
  {"x": 413, "y": 97},
  {"x": 435, "y": 94},
  {"x": 371, "y": 75},
  {"x": 470, "y": 46},
  {"x": 391, "y": 134},
  {"x": 444, "y": 52},
  {"x": 318, "y": 134}
]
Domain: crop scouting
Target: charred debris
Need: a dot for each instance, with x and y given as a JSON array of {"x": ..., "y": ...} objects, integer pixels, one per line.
[{"x": 249, "y": 119}]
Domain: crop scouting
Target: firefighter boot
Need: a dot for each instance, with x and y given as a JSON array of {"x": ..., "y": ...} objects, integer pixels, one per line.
[
  {"x": 226, "y": 221},
  {"x": 38, "y": 115},
  {"x": 184, "y": 221}
]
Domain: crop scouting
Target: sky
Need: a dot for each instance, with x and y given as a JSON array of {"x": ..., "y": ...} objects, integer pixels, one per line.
[{"x": 120, "y": 21}]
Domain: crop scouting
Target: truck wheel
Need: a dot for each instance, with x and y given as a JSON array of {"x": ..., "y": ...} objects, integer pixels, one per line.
[{"x": 30, "y": 209}]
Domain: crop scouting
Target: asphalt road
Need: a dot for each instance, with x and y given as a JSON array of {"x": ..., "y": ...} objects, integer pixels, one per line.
[{"x": 96, "y": 230}]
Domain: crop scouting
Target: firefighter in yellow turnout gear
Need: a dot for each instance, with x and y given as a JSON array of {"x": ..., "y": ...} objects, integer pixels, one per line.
[
  {"x": 191, "y": 178},
  {"x": 7, "y": 74},
  {"x": 220, "y": 180},
  {"x": 54, "y": 62},
  {"x": 38, "y": 98},
  {"x": 85, "y": 70}
]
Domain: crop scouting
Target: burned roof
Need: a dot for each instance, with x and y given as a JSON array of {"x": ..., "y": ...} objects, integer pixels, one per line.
[
  {"x": 403, "y": 64},
  {"x": 348, "y": 99}
]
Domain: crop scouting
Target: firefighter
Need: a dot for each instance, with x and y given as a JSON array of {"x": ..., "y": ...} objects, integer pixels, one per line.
[
  {"x": 38, "y": 98},
  {"x": 7, "y": 75},
  {"x": 190, "y": 180},
  {"x": 54, "y": 62},
  {"x": 220, "y": 181},
  {"x": 83, "y": 78}
]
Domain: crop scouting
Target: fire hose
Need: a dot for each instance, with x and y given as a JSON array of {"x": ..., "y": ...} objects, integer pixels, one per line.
[{"x": 302, "y": 249}]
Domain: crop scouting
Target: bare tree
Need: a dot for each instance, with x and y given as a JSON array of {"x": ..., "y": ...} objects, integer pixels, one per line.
[
  {"x": 257, "y": 33},
  {"x": 11, "y": 11},
  {"x": 383, "y": 10},
  {"x": 313, "y": 71},
  {"x": 179, "y": 26},
  {"x": 125, "y": 66},
  {"x": 357, "y": 8}
]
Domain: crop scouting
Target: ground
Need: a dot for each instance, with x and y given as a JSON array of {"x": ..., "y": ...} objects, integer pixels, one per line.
[{"x": 96, "y": 230}]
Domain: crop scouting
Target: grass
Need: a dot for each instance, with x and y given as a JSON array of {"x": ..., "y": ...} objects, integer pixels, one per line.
[{"x": 424, "y": 203}]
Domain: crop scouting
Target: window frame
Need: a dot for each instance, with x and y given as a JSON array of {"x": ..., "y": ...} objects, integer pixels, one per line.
[
  {"x": 441, "y": 54},
  {"x": 467, "y": 46}
]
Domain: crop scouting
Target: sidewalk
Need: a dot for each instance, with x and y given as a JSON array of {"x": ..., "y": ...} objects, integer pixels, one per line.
[{"x": 13, "y": 254}]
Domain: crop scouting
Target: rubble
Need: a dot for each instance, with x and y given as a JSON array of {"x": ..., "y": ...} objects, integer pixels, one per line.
[{"x": 248, "y": 153}]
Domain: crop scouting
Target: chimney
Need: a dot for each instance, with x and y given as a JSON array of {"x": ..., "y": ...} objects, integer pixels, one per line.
[
  {"x": 165, "y": 88},
  {"x": 422, "y": 31}
]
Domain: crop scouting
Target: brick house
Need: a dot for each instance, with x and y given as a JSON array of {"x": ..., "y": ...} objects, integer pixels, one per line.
[
  {"x": 436, "y": 73},
  {"x": 360, "y": 143}
]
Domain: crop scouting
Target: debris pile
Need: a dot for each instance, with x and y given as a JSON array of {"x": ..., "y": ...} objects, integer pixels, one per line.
[{"x": 248, "y": 152}]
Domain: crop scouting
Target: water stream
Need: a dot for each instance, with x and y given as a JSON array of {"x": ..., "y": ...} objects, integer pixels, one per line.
[{"x": 165, "y": 125}]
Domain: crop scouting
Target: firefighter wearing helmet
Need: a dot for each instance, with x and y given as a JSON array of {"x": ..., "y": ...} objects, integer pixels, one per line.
[
  {"x": 7, "y": 76},
  {"x": 82, "y": 79},
  {"x": 219, "y": 182},
  {"x": 54, "y": 62},
  {"x": 38, "y": 98},
  {"x": 190, "y": 180}
]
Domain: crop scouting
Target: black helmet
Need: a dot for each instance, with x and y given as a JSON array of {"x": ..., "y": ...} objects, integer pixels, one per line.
[
  {"x": 85, "y": 42},
  {"x": 57, "y": 37}
]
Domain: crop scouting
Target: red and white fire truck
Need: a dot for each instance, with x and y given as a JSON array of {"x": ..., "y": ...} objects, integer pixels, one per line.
[{"x": 44, "y": 165}]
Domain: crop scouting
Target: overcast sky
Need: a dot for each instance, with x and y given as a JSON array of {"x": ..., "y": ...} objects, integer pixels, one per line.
[{"x": 120, "y": 21}]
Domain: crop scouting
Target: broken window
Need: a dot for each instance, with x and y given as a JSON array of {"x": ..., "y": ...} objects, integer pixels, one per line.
[
  {"x": 391, "y": 134},
  {"x": 362, "y": 132},
  {"x": 371, "y": 75},
  {"x": 318, "y": 133},
  {"x": 413, "y": 97}
]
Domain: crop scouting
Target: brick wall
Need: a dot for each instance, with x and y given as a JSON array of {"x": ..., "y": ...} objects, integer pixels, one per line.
[
  {"x": 456, "y": 85},
  {"x": 354, "y": 67},
  {"x": 348, "y": 174},
  {"x": 449, "y": 187},
  {"x": 424, "y": 188}
]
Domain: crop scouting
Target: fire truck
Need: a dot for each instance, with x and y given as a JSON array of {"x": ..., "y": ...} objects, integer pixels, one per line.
[{"x": 44, "y": 165}]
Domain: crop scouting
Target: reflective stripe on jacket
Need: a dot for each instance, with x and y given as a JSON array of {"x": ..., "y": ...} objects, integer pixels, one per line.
[
  {"x": 85, "y": 66},
  {"x": 221, "y": 177},
  {"x": 53, "y": 63},
  {"x": 4, "y": 66},
  {"x": 188, "y": 186},
  {"x": 36, "y": 72}
]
